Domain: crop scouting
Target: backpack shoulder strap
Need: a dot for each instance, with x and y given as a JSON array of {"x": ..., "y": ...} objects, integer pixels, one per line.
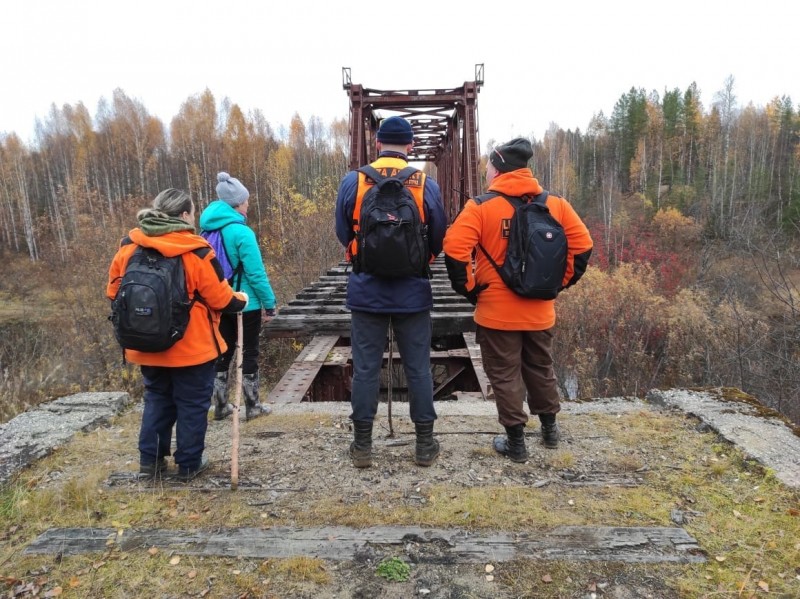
[
  {"x": 541, "y": 198},
  {"x": 485, "y": 196},
  {"x": 404, "y": 174},
  {"x": 371, "y": 172},
  {"x": 513, "y": 200}
]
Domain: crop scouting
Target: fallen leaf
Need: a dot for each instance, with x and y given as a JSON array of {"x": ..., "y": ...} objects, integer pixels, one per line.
[
  {"x": 791, "y": 511},
  {"x": 737, "y": 514},
  {"x": 194, "y": 516},
  {"x": 547, "y": 578},
  {"x": 152, "y": 550},
  {"x": 175, "y": 560},
  {"x": 191, "y": 574},
  {"x": 74, "y": 582},
  {"x": 54, "y": 592},
  {"x": 489, "y": 568},
  {"x": 489, "y": 578},
  {"x": 236, "y": 572},
  {"x": 759, "y": 500},
  {"x": 720, "y": 558},
  {"x": 763, "y": 585}
]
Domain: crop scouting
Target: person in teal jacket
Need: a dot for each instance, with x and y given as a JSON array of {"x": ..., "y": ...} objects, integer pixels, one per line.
[{"x": 229, "y": 213}]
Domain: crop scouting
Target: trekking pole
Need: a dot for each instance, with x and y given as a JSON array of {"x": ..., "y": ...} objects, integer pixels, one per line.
[
  {"x": 237, "y": 401},
  {"x": 389, "y": 382}
]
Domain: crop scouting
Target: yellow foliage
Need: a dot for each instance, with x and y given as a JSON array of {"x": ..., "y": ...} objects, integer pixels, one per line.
[{"x": 673, "y": 226}]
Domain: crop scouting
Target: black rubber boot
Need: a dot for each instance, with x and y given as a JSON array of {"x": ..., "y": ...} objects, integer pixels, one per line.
[
  {"x": 550, "y": 432},
  {"x": 512, "y": 444},
  {"x": 427, "y": 447},
  {"x": 219, "y": 397},
  {"x": 361, "y": 447},
  {"x": 252, "y": 407}
]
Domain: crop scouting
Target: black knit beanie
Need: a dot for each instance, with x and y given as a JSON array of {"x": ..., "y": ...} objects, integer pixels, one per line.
[
  {"x": 395, "y": 130},
  {"x": 512, "y": 155}
]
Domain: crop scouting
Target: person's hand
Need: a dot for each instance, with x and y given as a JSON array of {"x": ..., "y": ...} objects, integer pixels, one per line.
[
  {"x": 242, "y": 296},
  {"x": 472, "y": 295},
  {"x": 268, "y": 314}
]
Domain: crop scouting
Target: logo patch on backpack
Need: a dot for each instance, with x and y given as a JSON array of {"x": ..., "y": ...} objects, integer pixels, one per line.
[
  {"x": 392, "y": 239},
  {"x": 536, "y": 258},
  {"x": 151, "y": 310}
]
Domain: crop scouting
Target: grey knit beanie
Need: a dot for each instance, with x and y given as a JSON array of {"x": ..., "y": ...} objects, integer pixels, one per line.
[{"x": 231, "y": 191}]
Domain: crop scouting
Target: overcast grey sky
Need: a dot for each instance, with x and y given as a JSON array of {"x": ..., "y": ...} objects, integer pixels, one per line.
[{"x": 558, "y": 62}]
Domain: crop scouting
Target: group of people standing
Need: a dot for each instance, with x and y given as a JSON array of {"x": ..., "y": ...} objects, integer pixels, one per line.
[
  {"x": 515, "y": 333},
  {"x": 180, "y": 382}
]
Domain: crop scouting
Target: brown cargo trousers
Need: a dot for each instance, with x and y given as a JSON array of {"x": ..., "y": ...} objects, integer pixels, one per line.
[{"x": 516, "y": 362}]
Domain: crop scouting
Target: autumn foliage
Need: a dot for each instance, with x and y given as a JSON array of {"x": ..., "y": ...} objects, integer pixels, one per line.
[{"x": 694, "y": 213}]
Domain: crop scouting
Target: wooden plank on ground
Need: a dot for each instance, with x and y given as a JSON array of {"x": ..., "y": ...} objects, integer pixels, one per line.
[
  {"x": 579, "y": 543},
  {"x": 294, "y": 385},
  {"x": 477, "y": 365}
]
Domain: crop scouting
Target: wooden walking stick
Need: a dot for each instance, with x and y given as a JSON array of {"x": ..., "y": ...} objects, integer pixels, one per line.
[{"x": 237, "y": 401}]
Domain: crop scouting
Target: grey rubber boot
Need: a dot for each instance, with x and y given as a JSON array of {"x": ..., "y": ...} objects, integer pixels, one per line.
[
  {"x": 219, "y": 397},
  {"x": 361, "y": 447},
  {"x": 550, "y": 433},
  {"x": 427, "y": 449},
  {"x": 253, "y": 408},
  {"x": 512, "y": 445}
]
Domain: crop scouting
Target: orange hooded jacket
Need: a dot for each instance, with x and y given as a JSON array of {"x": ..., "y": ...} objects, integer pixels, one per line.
[
  {"x": 487, "y": 223},
  {"x": 198, "y": 345}
]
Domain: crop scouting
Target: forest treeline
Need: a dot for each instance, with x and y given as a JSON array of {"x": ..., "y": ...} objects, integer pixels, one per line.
[{"x": 695, "y": 212}]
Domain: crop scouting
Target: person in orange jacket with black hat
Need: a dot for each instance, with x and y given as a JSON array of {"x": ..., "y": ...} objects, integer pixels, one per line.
[{"x": 515, "y": 333}]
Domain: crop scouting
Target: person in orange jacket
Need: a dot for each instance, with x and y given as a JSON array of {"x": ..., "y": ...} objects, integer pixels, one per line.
[
  {"x": 515, "y": 333},
  {"x": 178, "y": 382}
]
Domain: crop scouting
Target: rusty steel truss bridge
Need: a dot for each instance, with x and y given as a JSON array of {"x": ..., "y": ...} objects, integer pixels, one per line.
[{"x": 445, "y": 126}]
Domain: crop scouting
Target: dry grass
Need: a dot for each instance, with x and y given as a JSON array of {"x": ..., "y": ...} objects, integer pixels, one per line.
[{"x": 744, "y": 519}]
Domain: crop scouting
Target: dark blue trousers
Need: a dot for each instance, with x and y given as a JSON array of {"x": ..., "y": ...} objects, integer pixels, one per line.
[
  {"x": 368, "y": 335},
  {"x": 179, "y": 397}
]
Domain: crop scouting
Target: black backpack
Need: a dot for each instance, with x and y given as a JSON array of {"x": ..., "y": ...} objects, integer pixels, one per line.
[
  {"x": 150, "y": 312},
  {"x": 536, "y": 259},
  {"x": 392, "y": 239}
]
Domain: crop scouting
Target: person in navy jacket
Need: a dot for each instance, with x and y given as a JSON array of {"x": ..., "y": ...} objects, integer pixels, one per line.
[{"x": 402, "y": 303}]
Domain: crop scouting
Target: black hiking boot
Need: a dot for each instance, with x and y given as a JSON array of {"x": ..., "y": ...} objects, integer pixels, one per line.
[
  {"x": 512, "y": 444},
  {"x": 153, "y": 470},
  {"x": 187, "y": 474},
  {"x": 361, "y": 447},
  {"x": 550, "y": 433},
  {"x": 427, "y": 449}
]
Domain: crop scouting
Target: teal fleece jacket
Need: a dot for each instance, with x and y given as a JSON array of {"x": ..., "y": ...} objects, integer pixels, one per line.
[{"x": 242, "y": 247}]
